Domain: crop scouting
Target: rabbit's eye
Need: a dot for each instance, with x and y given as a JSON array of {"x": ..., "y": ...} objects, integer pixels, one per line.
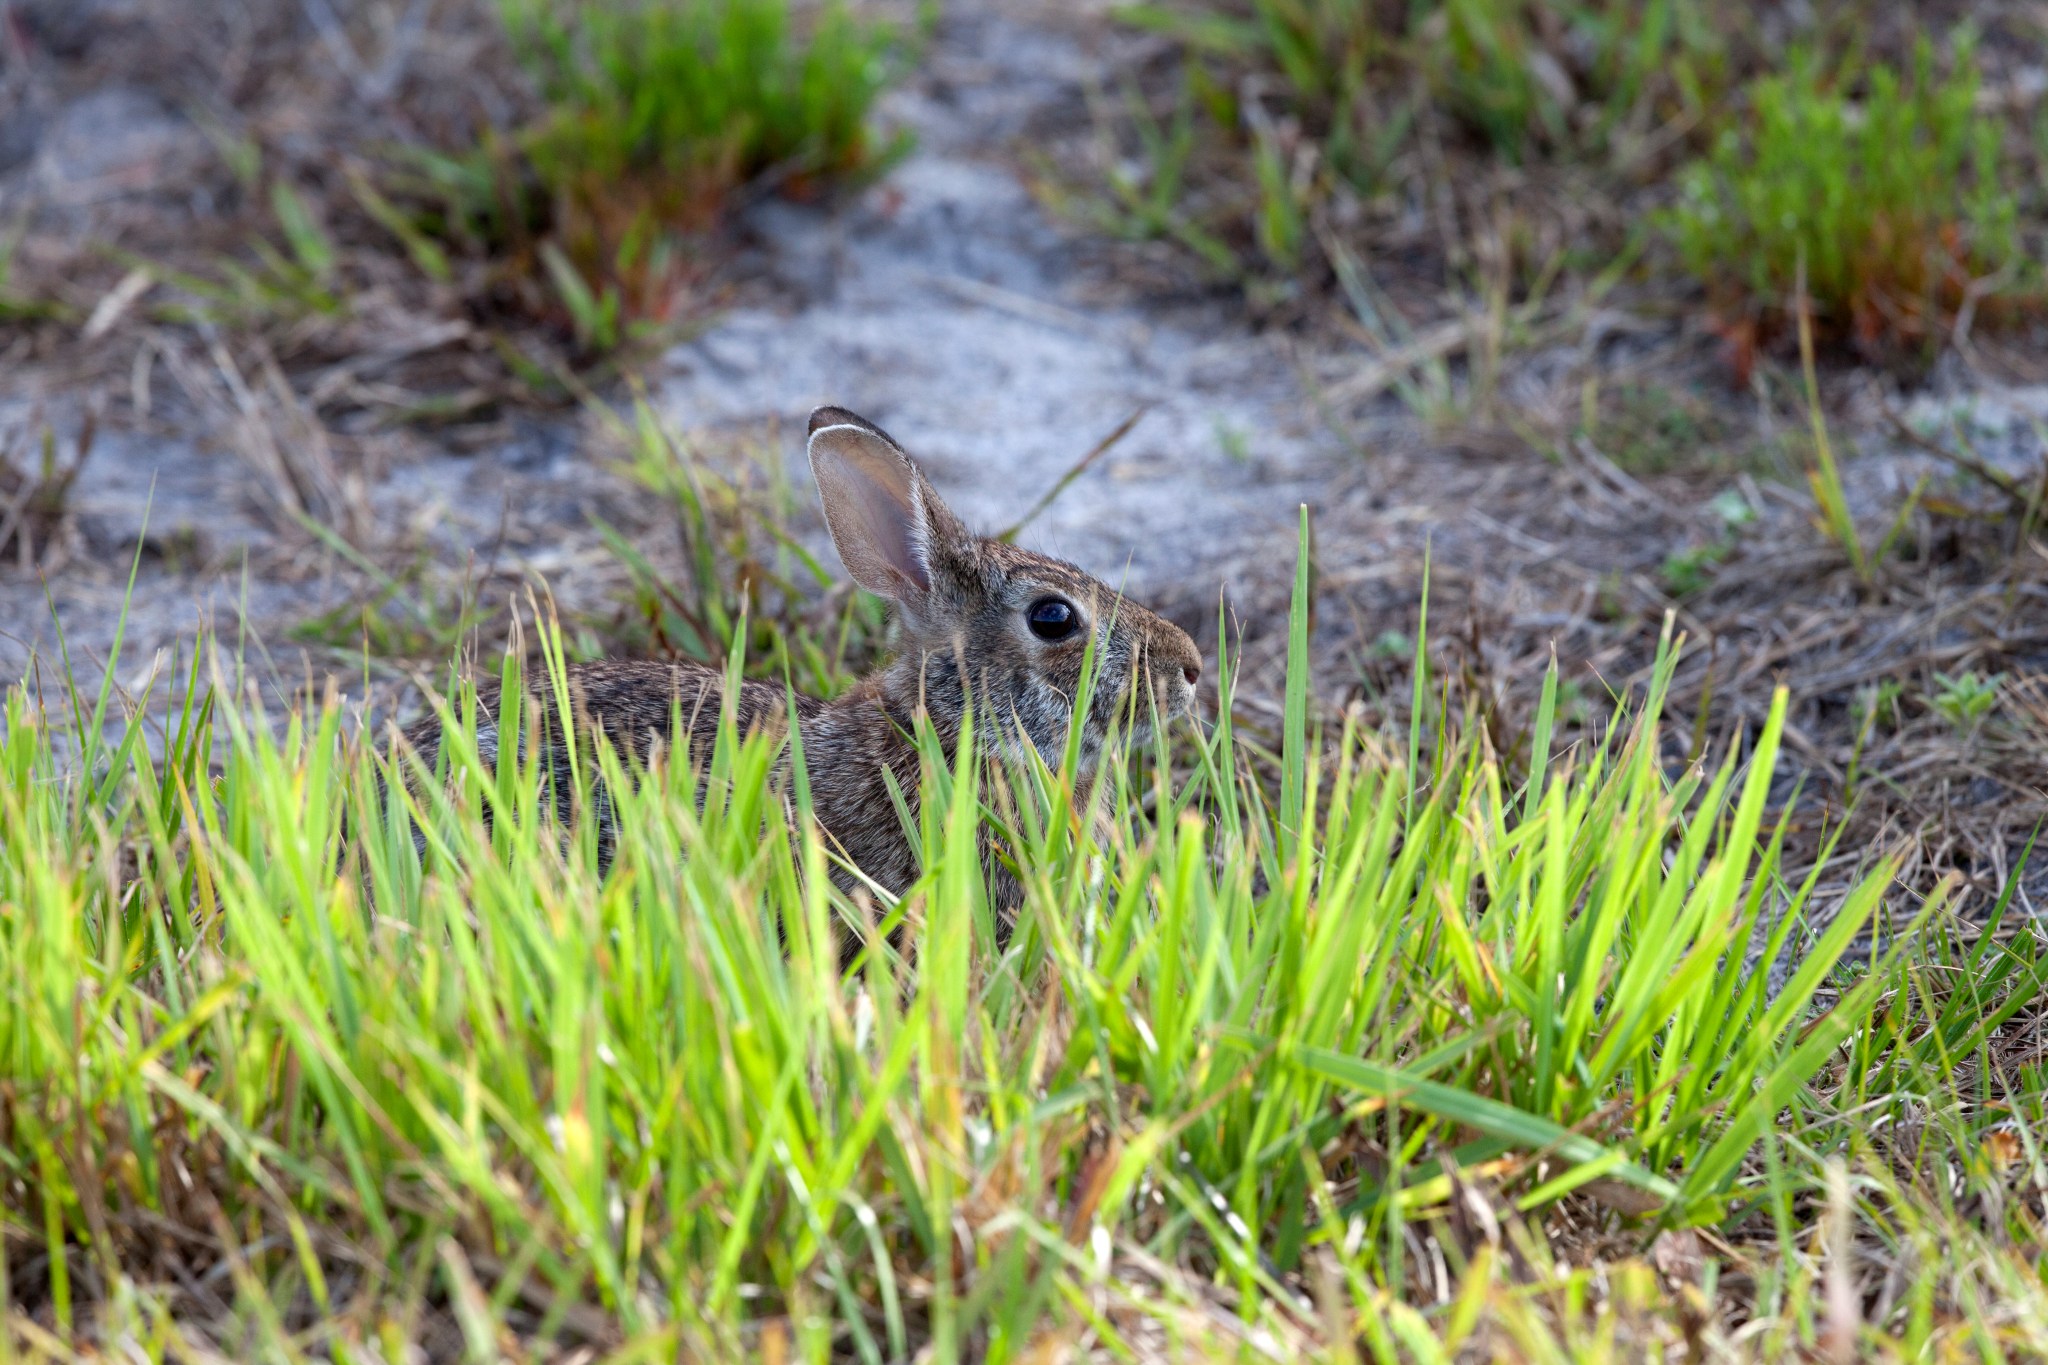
[{"x": 1052, "y": 619}]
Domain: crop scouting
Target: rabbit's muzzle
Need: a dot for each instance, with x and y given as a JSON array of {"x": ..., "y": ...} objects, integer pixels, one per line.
[{"x": 1170, "y": 667}]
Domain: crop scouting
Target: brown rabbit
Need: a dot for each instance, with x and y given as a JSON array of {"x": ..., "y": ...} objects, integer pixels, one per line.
[{"x": 977, "y": 618}]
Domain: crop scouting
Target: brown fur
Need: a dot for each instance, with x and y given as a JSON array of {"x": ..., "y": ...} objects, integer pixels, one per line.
[{"x": 961, "y": 605}]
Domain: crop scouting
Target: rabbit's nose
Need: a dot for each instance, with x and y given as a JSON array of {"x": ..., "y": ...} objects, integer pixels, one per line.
[{"x": 1192, "y": 672}]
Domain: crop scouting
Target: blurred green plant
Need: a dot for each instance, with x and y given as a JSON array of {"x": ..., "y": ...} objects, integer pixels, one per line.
[
  {"x": 1284, "y": 105},
  {"x": 286, "y": 284},
  {"x": 1965, "y": 698},
  {"x": 35, "y": 497},
  {"x": 658, "y": 113},
  {"x": 1561, "y": 74},
  {"x": 1885, "y": 192},
  {"x": 1824, "y": 475},
  {"x": 282, "y": 283},
  {"x": 407, "y": 613},
  {"x": 1687, "y": 571},
  {"x": 18, "y": 305},
  {"x": 719, "y": 87},
  {"x": 1878, "y": 704},
  {"x": 1655, "y": 428}
]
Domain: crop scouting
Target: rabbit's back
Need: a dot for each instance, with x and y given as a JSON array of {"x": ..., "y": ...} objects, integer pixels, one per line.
[
  {"x": 641, "y": 707},
  {"x": 636, "y": 704},
  {"x": 639, "y": 704}
]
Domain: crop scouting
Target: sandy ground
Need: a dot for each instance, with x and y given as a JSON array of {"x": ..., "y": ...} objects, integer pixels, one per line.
[{"x": 943, "y": 303}]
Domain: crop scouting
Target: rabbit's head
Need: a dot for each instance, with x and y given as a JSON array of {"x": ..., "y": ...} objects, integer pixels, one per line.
[{"x": 987, "y": 620}]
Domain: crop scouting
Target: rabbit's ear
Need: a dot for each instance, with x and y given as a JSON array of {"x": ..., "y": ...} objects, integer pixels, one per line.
[{"x": 886, "y": 521}]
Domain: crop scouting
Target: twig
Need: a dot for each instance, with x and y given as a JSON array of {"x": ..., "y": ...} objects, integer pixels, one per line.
[
  {"x": 1997, "y": 478},
  {"x": 374, "y": 87},
  {"x": 1080, "y": 467},
  {"x": 398, "y": 53},
  {"x": 1438, "y": 343},
  {"x": 335, "y": 38},
  {"x": 1010, "y": 301}
]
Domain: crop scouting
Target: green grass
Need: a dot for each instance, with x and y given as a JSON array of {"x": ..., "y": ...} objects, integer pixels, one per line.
[
  {"x": 18, "y": 305},
  {"x": 693, "y": 85},
  {"x": 1421, "y": 1056},
  {"x": 657, "y": 113},
  {"x": 1885, "y": 191},
  {"x": 1650, "y": 429},
  {"x": 35, "y": 491},
  {"x": 1277, "y": 138},
  {"x": 1560, "y": 75},
  {"x": 1242, "y": 178},
  {"x": 745, "y": 577},
  {"x": 596, "y": 215}
]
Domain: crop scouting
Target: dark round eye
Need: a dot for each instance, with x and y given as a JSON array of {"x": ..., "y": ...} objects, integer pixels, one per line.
[{"x": 1052, "y": 619}]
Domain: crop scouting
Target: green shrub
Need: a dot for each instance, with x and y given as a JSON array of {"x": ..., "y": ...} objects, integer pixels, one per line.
[
  {"x": 1555, "y": 75},
  {"x": 1885, "y": 190},
  {"x": 657, "y": 111},
  {"x": 699, "y": 88}
]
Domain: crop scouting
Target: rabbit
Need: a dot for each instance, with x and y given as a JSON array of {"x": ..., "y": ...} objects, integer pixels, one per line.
[{"x": 975, "y": 617}]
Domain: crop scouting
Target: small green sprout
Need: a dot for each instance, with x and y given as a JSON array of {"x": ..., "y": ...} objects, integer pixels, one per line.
[{"x": 1964, "y": 700}]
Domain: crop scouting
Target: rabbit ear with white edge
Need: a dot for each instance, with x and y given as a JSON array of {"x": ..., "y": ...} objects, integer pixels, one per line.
[{"x": 885, "y": 520}]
